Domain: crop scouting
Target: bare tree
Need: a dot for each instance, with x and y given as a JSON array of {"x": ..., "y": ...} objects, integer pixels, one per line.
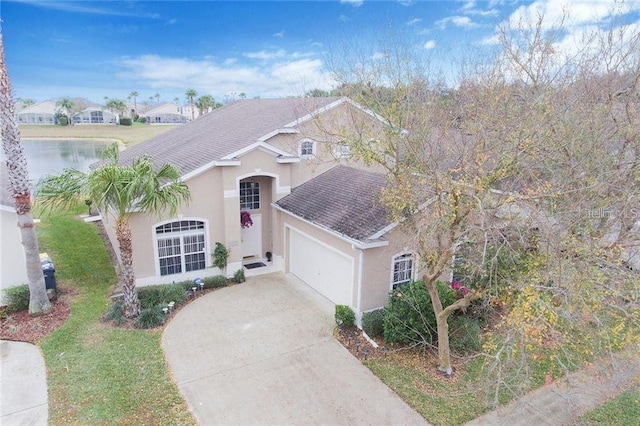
[{"x": 514, "y": 162}]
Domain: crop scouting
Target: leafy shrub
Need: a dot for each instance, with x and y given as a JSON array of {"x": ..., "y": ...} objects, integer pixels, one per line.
[
  {"x": 172, "y": 293},
  {"x": 373, "y": 322},
  {"x": 141, "y": 119},
  {"x": 220, "y": 256},
  {"x": 150, "y": 318},
  {"x": 125, "y": 121},
  {"x": 238, "y": 277},
  {"x": 464, "y": 335},
  {"x": 63, "y": 120},
  {"x": 215, "y": 281},
  {"x": 149, "y": 296},
  {"x": 16, "y": 298},
  {"x": 345, "y": 316},
  {"x": 162, "y": 294},
  {"x": 409, "y": 316},
  {"x": 115, "y": 314}
]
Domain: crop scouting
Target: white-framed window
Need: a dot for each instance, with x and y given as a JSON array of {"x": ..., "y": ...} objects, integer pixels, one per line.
[
  {"x": 402, "y": 269},
  {"x": 249, "y": 195},
  {"x": 181, "y": 246},
  {"x": 341, "y": 149},
  {"x": 307, "y": 148}
]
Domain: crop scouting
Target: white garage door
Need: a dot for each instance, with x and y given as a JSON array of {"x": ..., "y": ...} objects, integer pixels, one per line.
[{"x": 328, "y": 271}]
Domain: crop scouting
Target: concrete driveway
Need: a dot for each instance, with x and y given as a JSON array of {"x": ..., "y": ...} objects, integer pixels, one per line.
[{"x": 262, "y": 352}]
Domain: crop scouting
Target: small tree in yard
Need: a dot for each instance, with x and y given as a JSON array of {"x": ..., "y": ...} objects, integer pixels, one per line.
[
  {"x": 506, "y": 165},
  {"x": 119, "y": 190}
]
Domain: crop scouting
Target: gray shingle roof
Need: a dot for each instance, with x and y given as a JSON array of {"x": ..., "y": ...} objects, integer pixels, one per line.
[
  {"x": 343, "y": 199},
  {"x": 223, "y": 131}
]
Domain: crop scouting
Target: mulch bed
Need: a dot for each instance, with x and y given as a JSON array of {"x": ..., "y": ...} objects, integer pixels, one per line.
[
  {"x": 22, "y": 327},
  {"x": 355, "y": 342}
]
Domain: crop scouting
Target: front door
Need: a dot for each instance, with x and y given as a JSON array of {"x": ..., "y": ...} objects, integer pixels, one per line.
[{"x": 252, "y": 238}]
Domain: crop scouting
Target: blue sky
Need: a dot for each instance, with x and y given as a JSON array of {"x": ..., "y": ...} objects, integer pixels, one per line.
[{"x": 94, "y": 49}]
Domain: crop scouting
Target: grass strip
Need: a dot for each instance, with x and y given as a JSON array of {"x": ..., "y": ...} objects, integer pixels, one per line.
[
  {"x": 97, "y": 374},
  {"x": 129, "y": 135},
  {"x": 623, "y": 410},
  {"x": 440, "y": 400}
]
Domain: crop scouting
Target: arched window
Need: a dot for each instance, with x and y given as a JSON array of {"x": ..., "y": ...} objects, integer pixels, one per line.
[
  {"x": 181, "y": 246},
  {"x": 402, "y": 269}
]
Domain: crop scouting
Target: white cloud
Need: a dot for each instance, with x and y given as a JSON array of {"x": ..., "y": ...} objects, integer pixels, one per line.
[
  {"x": 279, "y": 34},
  {"x": 343, "y": 18},
  {"x": 266, "y": 55},
  {"x": 570, "y": 13},
  {"x": 579, "y": 19},
  {"x": 378, "y": 55},
  {"x": 458, "y": 21},
  {"x": 431, "y": 44},
  {"x": 354, "y": 3},
  {"x": 407, "y": 3},
  {"x": 413, "y": 21},
  {"x": 270, "y": 76}
]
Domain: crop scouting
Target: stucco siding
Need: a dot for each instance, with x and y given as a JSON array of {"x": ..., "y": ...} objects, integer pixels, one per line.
[
  {"x": 377, "y": 276},
  {"x": 13, "y": 261}
]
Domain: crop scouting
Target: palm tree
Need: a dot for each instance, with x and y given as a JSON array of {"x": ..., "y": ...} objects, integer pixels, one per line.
[
  {"x": 134, "y": 95},
  {"x": 157, "y": 96},
  {"x": 119, "y": 190},
  {"x": 18, "y": 177},
  {"x": 191, "y": 94},
  {"x": 205, "y": 103},
  {"x": 65, "y": 106}
]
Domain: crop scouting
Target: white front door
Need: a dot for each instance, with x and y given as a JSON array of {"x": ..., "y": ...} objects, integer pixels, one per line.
[{"x": 252, "y": 238}]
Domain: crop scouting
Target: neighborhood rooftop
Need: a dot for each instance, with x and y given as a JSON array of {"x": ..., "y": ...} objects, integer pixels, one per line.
[
  {"x": 225, "y": 131},
  {"x": 343, "y": 199}
]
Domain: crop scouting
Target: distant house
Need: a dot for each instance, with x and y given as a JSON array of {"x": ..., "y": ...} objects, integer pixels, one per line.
[
  {"x": 13, "y": 267},
  {"x": 167, "y": 113},
  {"x": 95, "y": 115},
  {"x": 40, "y": 113}
]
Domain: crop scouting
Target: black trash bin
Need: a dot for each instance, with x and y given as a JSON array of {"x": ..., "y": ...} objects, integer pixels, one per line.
[{"x": 49, "y": 272}]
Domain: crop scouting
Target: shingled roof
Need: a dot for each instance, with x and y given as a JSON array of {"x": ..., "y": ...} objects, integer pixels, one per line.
[
  {"x": 343, "y": 199},
  {"x": 223, "y": 131}
]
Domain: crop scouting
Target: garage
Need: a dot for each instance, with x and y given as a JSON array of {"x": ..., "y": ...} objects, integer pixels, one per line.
[{"x": 325, "y": 269}]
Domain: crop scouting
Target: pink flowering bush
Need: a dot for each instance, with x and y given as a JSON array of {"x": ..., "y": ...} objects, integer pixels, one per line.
[
  {"x": 245, "y": 219},
  {"x": 460, "y": 289}
]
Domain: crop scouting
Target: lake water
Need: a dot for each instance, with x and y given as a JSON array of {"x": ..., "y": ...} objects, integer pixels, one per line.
[{"x": 52, "y": 156}]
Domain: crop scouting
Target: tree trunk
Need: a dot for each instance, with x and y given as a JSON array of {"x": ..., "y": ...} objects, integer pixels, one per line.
[
  {"x": 123, "y": 233},
  {"x": 18, "y": 177},
  {"x": 444, "y": 352}
]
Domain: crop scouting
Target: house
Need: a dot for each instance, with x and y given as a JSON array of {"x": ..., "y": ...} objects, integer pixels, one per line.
[
  {"x": 95, "y": 115},
  {"x": 13, "y": 266},
  {"x": 167, "y": 113},
  {"x": 310, "y": 205},
  {"x": 41, "y": 113}
]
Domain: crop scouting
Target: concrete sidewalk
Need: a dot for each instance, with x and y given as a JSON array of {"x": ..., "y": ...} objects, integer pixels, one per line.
[
  {"x": 563, "y": 401},
  {"x": 23, "y": 385}
]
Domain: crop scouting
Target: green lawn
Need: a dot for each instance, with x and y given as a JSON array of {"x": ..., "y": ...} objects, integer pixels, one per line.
[
  {"x": 97, "y": 374},
  {"x": 440, "y": 400},
  {"x": 129, "y": 135},
  {"x": 624, "y": 410}
]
